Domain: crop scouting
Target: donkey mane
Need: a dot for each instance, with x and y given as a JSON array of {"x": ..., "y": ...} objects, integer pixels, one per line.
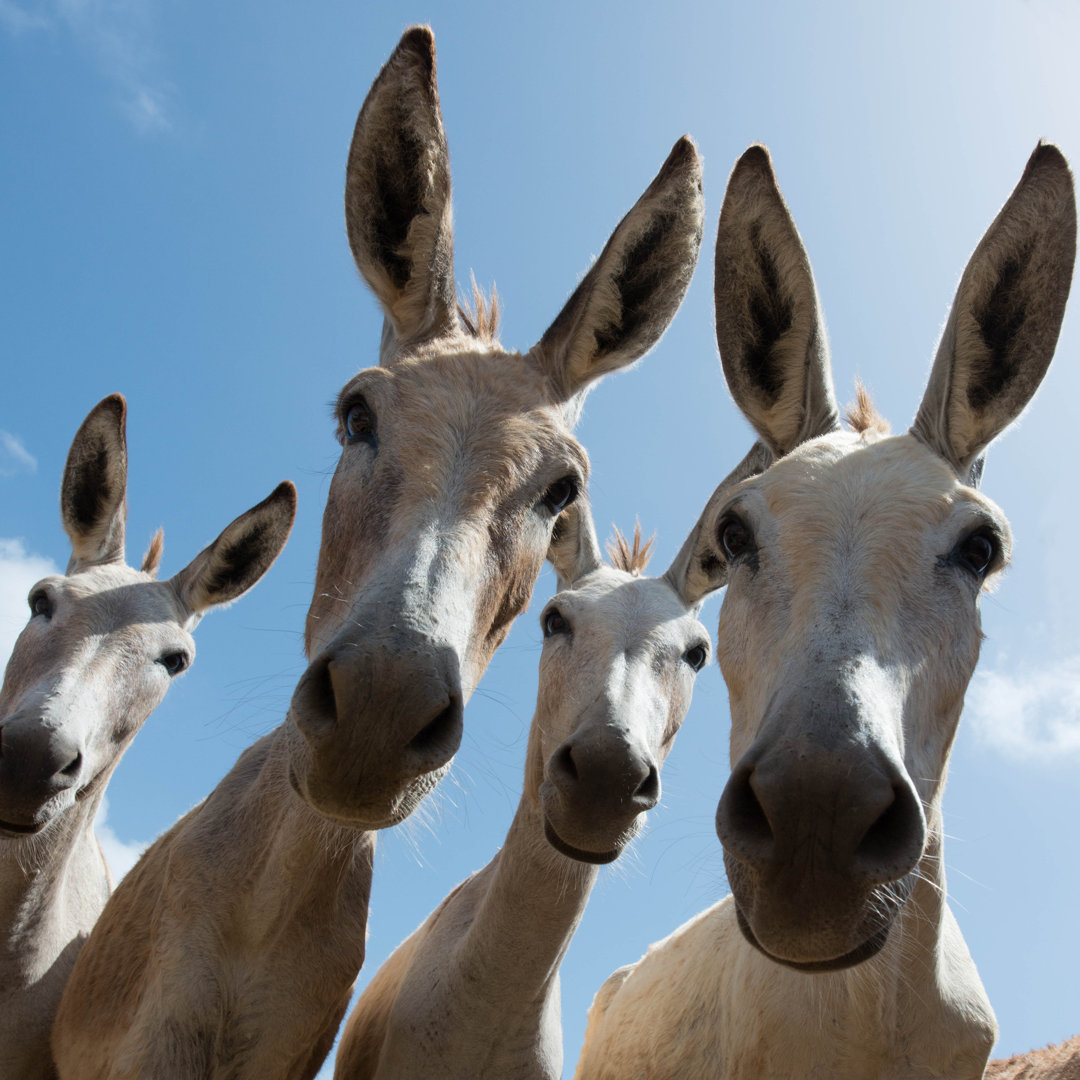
[
  {"x": 151, "y": 561},
  {"x": 481, "y": 318},
  {"x": 622, "y": 556},
  {"x": 862, "y": 415}
]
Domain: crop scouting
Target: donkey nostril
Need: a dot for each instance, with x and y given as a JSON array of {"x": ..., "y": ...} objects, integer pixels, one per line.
[
  {"x": 73, "y": 766},
  {"x": 895, "y": 838},
  {"x": 741, "y": 812},
  {"x": 442, "y": 736},
  {"x": 649, "y": 788},
  {"x": 563, "y": 762}
]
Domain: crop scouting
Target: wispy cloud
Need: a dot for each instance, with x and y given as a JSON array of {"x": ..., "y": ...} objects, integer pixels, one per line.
[
  {"x": 14, "y": 457},
  {"x": 120, "y": 856},
  {"x": 117, "y": 35},
  {"x": 1029, "y": 712},
  {"x": 19, "y": 569}
]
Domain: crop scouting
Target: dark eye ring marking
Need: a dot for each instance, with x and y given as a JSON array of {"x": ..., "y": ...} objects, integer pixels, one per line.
[
  {"x": 977, "y": 552},
  {"x": 561, "y": 494},
  {"x": 735, "y": 538},
  {"x": 359, "y": 423},
  {"x": 40, "y": 604},
  {"x": 696, "y": 656},
  {"x": 173, "y": 663}
]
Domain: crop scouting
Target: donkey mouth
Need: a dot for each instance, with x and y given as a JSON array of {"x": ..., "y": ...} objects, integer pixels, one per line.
[
  {"x": 581, "y": 855},
  {"x": 861, "y": 953},
  {"x": 21, "y": 830}
]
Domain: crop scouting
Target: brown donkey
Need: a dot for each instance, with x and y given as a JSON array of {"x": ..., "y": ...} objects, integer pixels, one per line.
[
  {"x": 231, "y": 949},
  {"x": 847, "y": 637},
  {"x": 102, "y": 647}
]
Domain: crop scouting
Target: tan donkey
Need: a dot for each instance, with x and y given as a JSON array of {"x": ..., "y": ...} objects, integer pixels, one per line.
[
  {"x": 102, "y": 646},
  {"x": 474, "y": 993},
  {"x": 1061, "y": 1062},
  {"x": 847, "y": 638},
  {"x": 231, "y": 949}
]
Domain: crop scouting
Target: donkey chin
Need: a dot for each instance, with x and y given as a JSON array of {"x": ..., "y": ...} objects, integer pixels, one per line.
[
  {"x": 828, "y": 925},
  {"x": 583, "y": 840},
  {"x": 337, "y": 792}
]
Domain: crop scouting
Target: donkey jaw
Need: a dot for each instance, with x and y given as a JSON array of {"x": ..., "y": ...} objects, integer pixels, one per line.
[{"x": 835, "y": 940}]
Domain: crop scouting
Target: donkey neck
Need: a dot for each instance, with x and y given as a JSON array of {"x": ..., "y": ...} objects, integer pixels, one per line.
[
  {"x": 52, "y": 888},
  {"x": 285, "y": 862},
  {"x": 527, "y": 904}
]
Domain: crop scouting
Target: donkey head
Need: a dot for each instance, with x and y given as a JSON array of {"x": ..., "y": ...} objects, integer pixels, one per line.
[
  {"x": 855, "y": 563},
  {"x": 457, "y": 456},
  {"x": 617, "y": 672},
  {"x": 105, "y": 641}
]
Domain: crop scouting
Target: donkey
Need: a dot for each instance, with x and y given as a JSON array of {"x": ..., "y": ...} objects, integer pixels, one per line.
[
  {"x": 102, "y": 647},
  {"x": 232, "y": 948},
  {"x": 847, "y": 637},
  {"x": 474, "y": 992},
  {"x": 1061, "y": 1062}
]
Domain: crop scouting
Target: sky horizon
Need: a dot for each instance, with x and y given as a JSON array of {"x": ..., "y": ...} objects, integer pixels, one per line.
[{"x": 170, "y": 216}]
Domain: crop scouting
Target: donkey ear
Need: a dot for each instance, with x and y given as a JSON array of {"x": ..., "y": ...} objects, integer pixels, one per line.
[
  {"x": 700, "y": 567},
  {"x": 768, "y": 322},
  {"x": 630, "y": 295},
  {"x": 1004, "y": 323},
  {"x": 574, "y": 550},
  {"x": 397, "y": 193},
  {"x": 93, "y": 493},
  {"x": 240, "y": 556}
]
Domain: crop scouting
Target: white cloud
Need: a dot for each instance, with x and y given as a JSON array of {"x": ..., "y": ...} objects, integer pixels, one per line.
[
  {"x": 19, "y": 569},
  {"x": 14, "y": 457},
  {"x": 117, "y": 34},
  {"x": 121, "y": 857},
  {"x": 1027, "y": 712}
]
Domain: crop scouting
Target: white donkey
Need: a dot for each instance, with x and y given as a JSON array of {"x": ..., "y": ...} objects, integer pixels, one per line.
[
  {"x": 473, "y": 994},
  {"x": 102, "y": 647},
  {"x": 847, "y": 638},
  {"x": 231, "y": 950}
]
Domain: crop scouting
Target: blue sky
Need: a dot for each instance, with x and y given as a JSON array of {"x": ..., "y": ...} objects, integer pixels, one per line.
[{"x": 171, "y": 227}]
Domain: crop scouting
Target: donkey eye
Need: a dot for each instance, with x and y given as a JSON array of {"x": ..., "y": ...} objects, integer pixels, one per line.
[
  {"x": 734, "y": 537},
  {"x": 561, "y": 494},
  {"x": 174, "y": 663},
  {"x": 360, "y": 423},
  {"x": 977, "y": 552},
  {"x": 40, "y": 604},
  {"x": 696, "y": 657},
  {"x": 553, "y": 622}
]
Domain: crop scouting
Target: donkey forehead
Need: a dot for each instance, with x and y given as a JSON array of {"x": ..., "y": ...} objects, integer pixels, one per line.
[
  {"x": 491, "y": 404},
  {"x": 629, "y": 608},
  {"x": 866, "y": 488},
  {"x": 121, "y": 596}
]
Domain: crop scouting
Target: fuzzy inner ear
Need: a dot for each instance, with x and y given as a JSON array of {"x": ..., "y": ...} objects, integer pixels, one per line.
[
  {"x": 630, "y": 295},
  {"x": 93, "y": 493},
  {"x": 1004, "y": 323},
  {"x": 699, "y": 569},
  {"x": 397, "y": 193},
  {"x": 768, "y": 321},
  {"x": 574, "y": 550},
  {"x": 240, "y": 556}
]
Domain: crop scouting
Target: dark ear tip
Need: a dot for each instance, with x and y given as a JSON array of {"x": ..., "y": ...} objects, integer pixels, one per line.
[
  {"x": 285, "y": 494},
  {"x": 114, "y": 404},
  {"x": 683, "y": 159},
  {"x": 419, "y": 43},
  {"x": 755, "y": 157}
]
